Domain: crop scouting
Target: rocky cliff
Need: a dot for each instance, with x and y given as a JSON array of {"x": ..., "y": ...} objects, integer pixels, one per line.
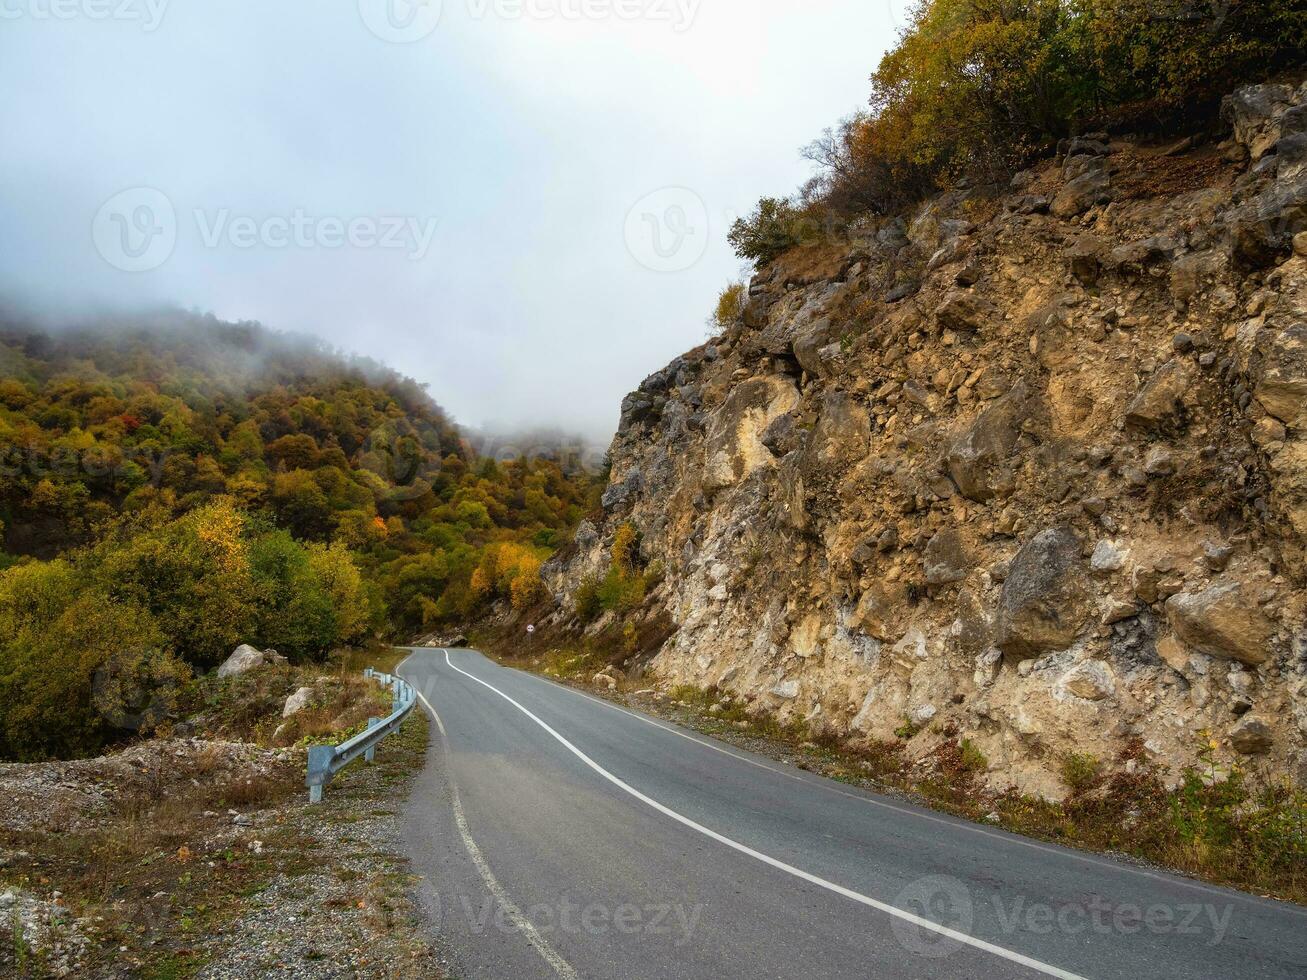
[{"x": 1029, "y": 466}]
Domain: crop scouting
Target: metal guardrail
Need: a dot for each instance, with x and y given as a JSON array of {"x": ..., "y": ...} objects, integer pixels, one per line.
[{"x": 327, "y": 760}]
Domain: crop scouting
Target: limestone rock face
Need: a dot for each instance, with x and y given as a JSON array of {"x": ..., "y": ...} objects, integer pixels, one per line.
[
  {"x": 1044, "y": 601},
  {"x": 1030, "y": 467},
  {"x": 1222, "y": 621},
  {"x": 734, "y": 446}
]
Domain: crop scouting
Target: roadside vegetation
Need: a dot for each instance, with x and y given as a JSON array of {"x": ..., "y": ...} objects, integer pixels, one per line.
[
  {"x": 174, "y": 487},
  {"x": 149, "y": 863},
  {"x": 976, "y": 89}
]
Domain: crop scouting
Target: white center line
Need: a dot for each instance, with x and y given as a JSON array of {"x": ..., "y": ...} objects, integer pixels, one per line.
[
  {"x": 916, "y": 920},
  {"x": 550, "y": 955}
]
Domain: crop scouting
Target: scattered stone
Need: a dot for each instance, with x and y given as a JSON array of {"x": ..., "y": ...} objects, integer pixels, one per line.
[
  {"x": 297, "y": 702},
  {"x": 1252, "y": 736},
  {"x": 1109, "y": 556},
  {"x": 1091, "y": 680},
  {"x": 1159, "y": 462},
  {"x": 1222, "y": 622}
]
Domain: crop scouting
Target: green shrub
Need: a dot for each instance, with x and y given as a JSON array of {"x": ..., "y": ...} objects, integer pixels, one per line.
[
  {"x": 730, "y": 306},
  {"x": 774, "y": 228},
  {"x": 588, "y": 603},
  {"x": 1080, "y": 771},
  {"x": 971, "y": 758}
]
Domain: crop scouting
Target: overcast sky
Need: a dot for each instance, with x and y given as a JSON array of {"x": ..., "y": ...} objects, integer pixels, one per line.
[{"x": 523, "y": 204}]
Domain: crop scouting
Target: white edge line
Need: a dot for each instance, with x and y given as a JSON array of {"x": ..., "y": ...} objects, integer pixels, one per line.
[
  {"x": 550, "y": 955},
  {"x": 959, "y": 823},
  {"x": 916, "y": 920}
]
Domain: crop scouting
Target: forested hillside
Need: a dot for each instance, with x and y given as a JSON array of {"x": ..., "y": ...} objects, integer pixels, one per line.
[{"x": 172, "y": 486}]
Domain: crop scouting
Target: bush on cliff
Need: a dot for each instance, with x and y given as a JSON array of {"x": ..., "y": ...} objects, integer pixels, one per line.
[{"x": 976, "y": 88}]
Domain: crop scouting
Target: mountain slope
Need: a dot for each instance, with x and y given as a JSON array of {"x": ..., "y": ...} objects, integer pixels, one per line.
[{"x": 1020, "y": 471}]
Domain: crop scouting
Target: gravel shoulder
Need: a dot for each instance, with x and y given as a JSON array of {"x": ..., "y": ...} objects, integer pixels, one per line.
[{"x": 198, "y": 858}]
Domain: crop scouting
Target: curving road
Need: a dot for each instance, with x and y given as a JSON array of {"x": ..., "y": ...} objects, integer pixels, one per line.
[{"x": 562, "y": 836}]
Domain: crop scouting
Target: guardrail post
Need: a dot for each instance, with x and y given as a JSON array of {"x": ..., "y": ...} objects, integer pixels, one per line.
[
  {"x": 320, "y": 757},
  {"x": 371, "y": 754}
]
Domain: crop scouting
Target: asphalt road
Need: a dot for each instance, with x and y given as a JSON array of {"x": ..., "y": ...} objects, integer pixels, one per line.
[{"x": 562, "y": 836}]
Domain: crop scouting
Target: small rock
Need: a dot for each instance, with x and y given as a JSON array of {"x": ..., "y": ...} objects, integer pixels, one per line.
[
  {"x": 297, "y": 702},
  {"x": 1109, "y": 556},
  {"x": 1300, "y": 243},
  {"x": 786, "y": 690},
  {"x": 1118, "y": 611},
  {"x": 1252, "y": 736},
  {"x": 1217, "y": 556},
  {"x": 1183, "y": 343},
  {"x": 1160, "y": 461},
  {"x": 1091, "y": 680}
]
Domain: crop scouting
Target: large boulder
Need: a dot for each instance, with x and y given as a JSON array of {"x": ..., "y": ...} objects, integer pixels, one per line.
[
  {"x": 246, "y": 658},
  {"x": 1280, "y": 369},
  {"x": 1088, "y": 183},
  {"x": 1254, "y": 112},
  {"x": 1045, "y": 601},
  {"x": 841, "y": 437},
  {"x": 1222, "y": 621},
  {"x": 976, "y": 460},
  {"x": 811, "y": 347},
  {"x": 1261, "y": 230}
]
